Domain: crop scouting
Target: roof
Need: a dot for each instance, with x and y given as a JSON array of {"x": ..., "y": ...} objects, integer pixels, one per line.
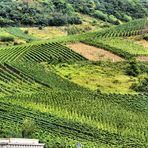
[{"x": 20, "y": 141}]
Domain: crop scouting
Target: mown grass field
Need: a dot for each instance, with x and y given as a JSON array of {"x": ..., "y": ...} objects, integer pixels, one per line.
[{"x": 67, "y": 98}]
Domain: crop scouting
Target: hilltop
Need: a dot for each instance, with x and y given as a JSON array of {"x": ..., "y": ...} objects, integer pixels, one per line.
[{"x": 62, "y": 12}]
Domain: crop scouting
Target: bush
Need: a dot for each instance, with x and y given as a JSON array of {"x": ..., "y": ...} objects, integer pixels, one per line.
[
  {"x": 133, "y": 69},
  {"x": 26, "y": 31},
  {"x": 142, "y": 86},
  {"x": 127, "y": 18},
  {"x": 74, "y": 20},
  {"x": 57, "y": 21},
  {"x": 112, "y": 19},
  {"x": 28, "y": 127},
  {"x": 100, "y": 15},
  {"x": 40, "y": 28},
  {"x": 145, "y": 37},
  {"x": 77, "y": 30},
  {"x": 6, "y": 22},
  {"x": 6, "y": 38}
]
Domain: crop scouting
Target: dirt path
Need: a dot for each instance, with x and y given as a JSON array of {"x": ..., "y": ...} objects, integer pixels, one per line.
[
  {"x": 93, "y": 53},
  {"x": 142, "y": 58},
  {"x": 143, "y": 43}
]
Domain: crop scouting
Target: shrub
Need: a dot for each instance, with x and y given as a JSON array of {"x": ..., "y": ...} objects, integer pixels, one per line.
[
  {"x": 28, "y": 127},
  {"x": 133, "y": 69},
  {"x": 142, "y": 86},
  {"x": 40, "y": 28},
  {"x": 6, "y": 38},
  {"x": 145, "y": 37},
  {"x": 77, "y": 30},
  {"x": 26, "y": 31},
  {"x": 100, "y": 15}
]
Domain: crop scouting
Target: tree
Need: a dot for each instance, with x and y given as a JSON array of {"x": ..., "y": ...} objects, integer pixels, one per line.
[
  {"x": 141, "y": 86},
  {"x": 133, "y": 69},
  {"x": 28, "y": 127},
  {"x": 100, "y": 15}
]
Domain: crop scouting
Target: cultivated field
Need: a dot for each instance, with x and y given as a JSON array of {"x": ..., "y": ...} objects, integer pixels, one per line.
[{"x": 86, "y": 88}]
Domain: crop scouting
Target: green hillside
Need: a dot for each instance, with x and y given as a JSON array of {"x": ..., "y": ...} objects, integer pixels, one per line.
[
  {"x": 65, "y": 113},
  {"x": 62, "y": 12},
  {"x": 87, "y": 87}
]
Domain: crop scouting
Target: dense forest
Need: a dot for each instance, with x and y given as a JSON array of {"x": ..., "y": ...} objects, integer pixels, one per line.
[{"x": 62, "y": 12}]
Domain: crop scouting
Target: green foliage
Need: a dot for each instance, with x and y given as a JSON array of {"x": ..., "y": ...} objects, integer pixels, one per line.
[
  {"x": 105, "y": 77},
  {"x": 122, "y": 10},
  {"x": 100, "y": 15},
  {"x": 58, "y": 109},
  {"x": 26, "y": 31},
  {"x": 142, "y": 86},
  {"x": 6, "y": 22},
  {"x": 71, "y": 30},
  {"x": 40, "y": 53},
  {"x": 134, "y": 68},
  {"x": 6, "y": 38},
  {"x": 131, "y": 28},
  {"x": 28, "y": 128},
  {"x": 19, "y": 33},
  {"x": 61, "y": 12},
  {"x": 40, "y": 28},
  {"x": 37, "y": 13},
  {"x": 102, "y": 44},
  {"x": 145, "y": 37},
  {"x": 120, "y": 46},
  {"x": 36, "y": 102}
]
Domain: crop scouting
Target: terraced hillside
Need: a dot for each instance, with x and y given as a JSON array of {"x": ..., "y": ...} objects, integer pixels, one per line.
[
  {"x": 90, "y": 136},
  {"x": 13, "y": 81},
  {"x": 58, "y": 111},
  {"x": 50, "y": 52},
  {"x": 120, "y": 46},
  {"x": 50, "y": 92},
  {"x": 116, "y": 39},
  {"x": 132, "y": 28}
]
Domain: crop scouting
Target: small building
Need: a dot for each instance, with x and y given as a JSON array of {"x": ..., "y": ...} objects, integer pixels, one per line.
[{"x": 20, "y": 143}]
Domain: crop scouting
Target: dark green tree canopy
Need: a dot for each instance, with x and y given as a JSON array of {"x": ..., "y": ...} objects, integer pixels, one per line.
[{"x": 61, "y": 12}]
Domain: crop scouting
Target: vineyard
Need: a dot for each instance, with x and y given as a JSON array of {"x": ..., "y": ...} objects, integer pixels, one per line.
[
  {"x": 14, "y": 81},
  {"x": 65, "y": 128},
  {"x": 133, "y": 28},
  {"x": 72, "y": 99},
  {"x": 46, "y": 52},
  {"x": 120, "y": 46}
]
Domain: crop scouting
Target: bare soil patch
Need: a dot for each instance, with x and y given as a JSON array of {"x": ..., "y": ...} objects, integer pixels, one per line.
[{"x": 93, "y": 53}]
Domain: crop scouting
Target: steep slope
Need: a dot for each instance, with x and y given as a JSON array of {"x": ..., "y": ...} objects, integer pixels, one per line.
[
  {"x": 70, "y": 114},
  {"x": 65, "y": 113}
]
